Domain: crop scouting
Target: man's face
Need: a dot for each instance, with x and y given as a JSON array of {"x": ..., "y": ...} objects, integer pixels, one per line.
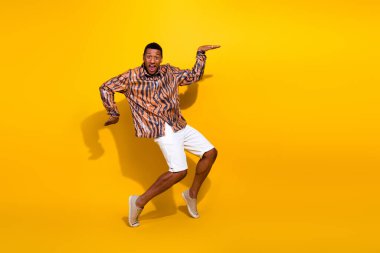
[{"x": 152, "y": 60}]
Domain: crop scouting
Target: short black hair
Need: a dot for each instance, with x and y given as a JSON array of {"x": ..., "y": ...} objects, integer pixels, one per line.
[{"x": 153, "y": 45}]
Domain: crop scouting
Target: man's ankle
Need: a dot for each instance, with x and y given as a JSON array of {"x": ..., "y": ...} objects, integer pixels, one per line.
[
  {"x": 192, "y": 194},
  {"x": 139, "y": 202}
]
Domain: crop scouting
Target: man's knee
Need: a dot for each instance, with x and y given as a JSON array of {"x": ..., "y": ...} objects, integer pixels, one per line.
[
  {"x": 180, "y": 174},
  {"x": 211, "y": 154}
]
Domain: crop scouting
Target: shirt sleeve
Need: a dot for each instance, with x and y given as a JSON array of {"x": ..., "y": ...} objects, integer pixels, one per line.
[
  {"x": 187, "y": 76},
  {"x": 119, "y": 84}
]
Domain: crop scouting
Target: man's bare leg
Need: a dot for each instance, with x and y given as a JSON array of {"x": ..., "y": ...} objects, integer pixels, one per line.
[
  {"x": 203, "y": 168},
  {"x": 164, "y": 182}
]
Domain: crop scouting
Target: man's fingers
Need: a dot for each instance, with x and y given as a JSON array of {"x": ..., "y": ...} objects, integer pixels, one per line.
[
  {"x": 109, "y": 123},
  {"x": 112, "y": 120},
  {"x": 208, "y": 47}
]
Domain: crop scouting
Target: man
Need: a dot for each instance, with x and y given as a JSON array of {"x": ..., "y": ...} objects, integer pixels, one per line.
[{"x": 152, "y": 92}]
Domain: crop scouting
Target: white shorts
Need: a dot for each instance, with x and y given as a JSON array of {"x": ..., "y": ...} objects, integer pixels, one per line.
[{"x": 173, "y": 146}]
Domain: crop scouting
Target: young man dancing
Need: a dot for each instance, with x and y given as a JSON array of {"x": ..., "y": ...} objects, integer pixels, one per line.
[{"x": 152, "y": 93}]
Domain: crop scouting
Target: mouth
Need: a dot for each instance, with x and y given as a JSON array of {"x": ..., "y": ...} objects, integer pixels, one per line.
[{"x": 152, "y": 68}]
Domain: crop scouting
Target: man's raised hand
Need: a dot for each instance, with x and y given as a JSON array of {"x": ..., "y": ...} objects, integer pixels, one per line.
[
  {"x": 208, "y": 47},
  {"x": 112, "y": 120}
]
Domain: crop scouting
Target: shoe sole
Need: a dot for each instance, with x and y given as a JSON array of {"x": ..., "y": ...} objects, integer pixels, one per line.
[
  {"x": 188, "y": 208},
  {"x": 130, "y": 214}
]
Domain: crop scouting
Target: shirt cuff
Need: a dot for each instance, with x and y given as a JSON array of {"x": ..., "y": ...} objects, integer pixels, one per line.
[{"x": 114, "y": 114}]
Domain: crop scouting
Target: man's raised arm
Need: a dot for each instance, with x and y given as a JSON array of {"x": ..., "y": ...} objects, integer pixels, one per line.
[{"x": 187, "y": 77}]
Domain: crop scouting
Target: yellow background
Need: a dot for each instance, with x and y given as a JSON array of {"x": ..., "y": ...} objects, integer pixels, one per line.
[{"x": 291, "y": 100}]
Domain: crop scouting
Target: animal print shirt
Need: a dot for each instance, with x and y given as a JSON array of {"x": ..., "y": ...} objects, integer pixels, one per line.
[{"x": 153, "y": 99}]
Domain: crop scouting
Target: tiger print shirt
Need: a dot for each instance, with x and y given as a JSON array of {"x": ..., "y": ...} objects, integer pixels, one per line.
[{"x": 153, "y": 99}]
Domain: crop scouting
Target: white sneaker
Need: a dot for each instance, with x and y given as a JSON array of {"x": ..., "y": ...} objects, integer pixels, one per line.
[
  {"x": 191, "y": 204},
  {"x": 134, "y": 212}
]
